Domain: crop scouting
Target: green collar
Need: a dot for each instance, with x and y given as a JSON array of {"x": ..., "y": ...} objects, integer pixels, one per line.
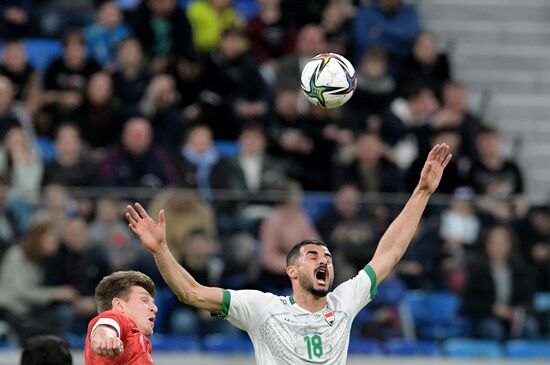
[{"x": 291, "y": 299}]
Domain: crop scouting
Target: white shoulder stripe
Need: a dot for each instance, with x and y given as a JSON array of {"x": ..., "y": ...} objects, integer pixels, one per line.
[{"x": 109, "y": 322}]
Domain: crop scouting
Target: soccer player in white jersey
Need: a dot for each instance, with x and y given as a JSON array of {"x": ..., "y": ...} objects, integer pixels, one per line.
[{"x": 313, "y": 324}]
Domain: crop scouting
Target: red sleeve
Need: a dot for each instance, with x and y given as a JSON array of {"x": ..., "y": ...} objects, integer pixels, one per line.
[{"x": 111, "y": 318}]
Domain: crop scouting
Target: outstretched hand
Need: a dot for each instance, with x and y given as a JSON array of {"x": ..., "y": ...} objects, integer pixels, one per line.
[
  {"x": 151, "y": 233},
  {"x": 431, "y": 174}
]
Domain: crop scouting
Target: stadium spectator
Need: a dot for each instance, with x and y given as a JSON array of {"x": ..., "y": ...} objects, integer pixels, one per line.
[
  {"x": 99, "y": 117},
  {"x": 347, "y": 232},
  {"x": 337, "y": 24},
  {"x": 24, "y": 78},
  {"x": 459, "y": 232},
  {"x": 12, "y": 112},
  {"x": 136, "y": 162},
  {"x": 498, "y": 295},
  {"x": 111, "y": 235},
  {"x": 287, "y": 223},
  {"x": 164, "y": 31},
  {"x": 405, "y": 120},
  {"x": 131, "y": 77},
  {"x": 65, "y": 82},
  {"x": 72, "y": 165},
  {"x": 209, "y": 20},
  {"x": 369, "y": 169},
  {"x": 188, "y": 213},
  {"x": 21, "y": 164},
  {"x": 272, "y": 35},
  {"x": 201, "y": 258},
  {"x": 80, "y": 265},
  {"x": 297, "y": 137},
  {"x": 160, "y": 105},
  {"x": 454, "y": 113},
  {"x": 426, "y": 63},
  {"x": 454, "y": 177},
  {"x": 199, "y": 164},
  {"x": 249, "y": 175},
  {"x": 492, "y": 173},
  {"x": 390, "y": 24},
  {"x": 105, "y": 34},
  {"x": 309, "y": 43},
  {"x": 57, "y": 205},
  {"x": 10, "y": 225},
  {"x": 25, "y": 301},
  {"x": 46, "y": 350},
  {"x": 235, "y": 91},
  {"x": 17, "y": 18},
  {"x": 375, "y": 89},
  {"x": 534, "y": 233}
]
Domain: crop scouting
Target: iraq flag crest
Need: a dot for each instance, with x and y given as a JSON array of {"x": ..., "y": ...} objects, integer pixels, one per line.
[{"x": 329, "y": 316}]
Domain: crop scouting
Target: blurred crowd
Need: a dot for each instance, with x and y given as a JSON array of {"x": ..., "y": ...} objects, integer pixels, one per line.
[{"x": 145, "y": 96}]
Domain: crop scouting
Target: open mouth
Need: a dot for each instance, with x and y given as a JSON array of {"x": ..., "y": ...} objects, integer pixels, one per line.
[
  {"x": 321, "y": 275},
  {"x": 152, "y": 320}
]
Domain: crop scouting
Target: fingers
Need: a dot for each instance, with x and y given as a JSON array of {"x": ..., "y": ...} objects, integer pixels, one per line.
[
  {"x": 131, "y": 219},
  {"x": 447, "y": 159},
  {"x": 141, "y": 211},
  {"x": 161, "y": 216},
  {"x": 111, "y": 346},
  {"x": 440, "y": 154},
  {"x": 132, "y": 212}
]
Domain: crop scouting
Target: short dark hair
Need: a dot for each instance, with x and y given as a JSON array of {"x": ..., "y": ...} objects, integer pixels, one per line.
[
  {"x": 295, "y": 251},
  {"x": 46, "y": 350},
  {"x": 117, "y": 285}
]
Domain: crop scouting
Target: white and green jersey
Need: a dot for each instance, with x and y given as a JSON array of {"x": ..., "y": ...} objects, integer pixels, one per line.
[{"x": 284, "y": 333}]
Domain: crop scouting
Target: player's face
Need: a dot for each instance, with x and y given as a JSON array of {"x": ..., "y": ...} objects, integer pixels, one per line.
[
  {"x": 141, "y": 308},
  {"x": 315, "y": 270}
]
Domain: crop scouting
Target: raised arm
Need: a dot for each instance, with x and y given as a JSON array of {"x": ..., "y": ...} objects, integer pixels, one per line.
[
  {"x": 399, "y": 234},
  {"x": 186, "y": 288},
  {"x": 105, "y": 341}
]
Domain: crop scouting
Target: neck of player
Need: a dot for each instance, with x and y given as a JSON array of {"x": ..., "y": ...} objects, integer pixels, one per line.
[{"x": 308, "y": 301}]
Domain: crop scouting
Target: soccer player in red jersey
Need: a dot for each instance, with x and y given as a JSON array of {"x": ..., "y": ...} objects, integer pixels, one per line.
[{"x": 119, "y": 333}]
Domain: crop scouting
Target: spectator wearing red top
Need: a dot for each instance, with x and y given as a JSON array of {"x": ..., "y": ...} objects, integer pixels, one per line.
[{"x": 118, "y": 335}]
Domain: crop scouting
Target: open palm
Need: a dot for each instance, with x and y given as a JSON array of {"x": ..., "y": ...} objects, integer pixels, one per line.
[
  {"x": 151, "y": 233},
  {"x": 431, "y": 174}
]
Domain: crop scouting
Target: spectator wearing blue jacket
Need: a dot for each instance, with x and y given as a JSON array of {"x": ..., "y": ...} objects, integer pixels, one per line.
[
  {"x": 104, "y": 35},
  {"x": 388, "y": 24}
]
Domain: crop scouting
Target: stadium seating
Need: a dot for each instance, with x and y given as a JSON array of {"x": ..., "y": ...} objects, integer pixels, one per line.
[
  {"x": 217, "y": 343},
  {"x": 522, "y": 349},
  {"x": 175, "y": 343},
  {"x": 226, "y": 148},
  {"x": 470, "y": 348},
  {"x": 401, "y": 347},
  {"x": 41, "y": 51},
  {"x": 316, "y": 205},
  {"x": 364, "y": 347},
  {"x": 435, "y": 315}
]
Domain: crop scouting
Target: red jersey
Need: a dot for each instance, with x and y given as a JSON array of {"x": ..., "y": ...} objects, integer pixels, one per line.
[{"x": 137, "y": 347}]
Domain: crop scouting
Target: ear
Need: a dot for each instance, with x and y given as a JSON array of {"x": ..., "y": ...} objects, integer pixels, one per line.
[
  {"x": 292, "y": 272},
  {"x": 117, "y": 304}
]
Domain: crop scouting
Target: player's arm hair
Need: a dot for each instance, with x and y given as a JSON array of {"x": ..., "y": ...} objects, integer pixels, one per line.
[
  {"x": 186, "y": 288},
  {"x": 399, "y": 234}
]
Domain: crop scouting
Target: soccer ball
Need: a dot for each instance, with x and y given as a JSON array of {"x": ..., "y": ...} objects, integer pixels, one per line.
[{"x": 328, "y": 80}]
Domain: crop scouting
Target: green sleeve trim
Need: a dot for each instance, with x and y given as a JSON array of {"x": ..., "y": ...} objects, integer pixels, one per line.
[
  {"x": 372, "y": 276},
  {"x": 225, "y": 304}
]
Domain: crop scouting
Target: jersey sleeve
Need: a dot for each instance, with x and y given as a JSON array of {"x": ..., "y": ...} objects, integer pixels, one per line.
[
  {"x": 115, "y": 320},
  {"x": 243, "y": 307},
  {"x": 357, "y": 291}
]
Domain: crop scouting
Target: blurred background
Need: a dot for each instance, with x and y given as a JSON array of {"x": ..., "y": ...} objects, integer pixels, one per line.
[{"x": 195, "y": 107}]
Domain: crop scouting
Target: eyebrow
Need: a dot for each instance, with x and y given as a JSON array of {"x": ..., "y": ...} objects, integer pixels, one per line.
[{"x": 317, "y": 253}]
